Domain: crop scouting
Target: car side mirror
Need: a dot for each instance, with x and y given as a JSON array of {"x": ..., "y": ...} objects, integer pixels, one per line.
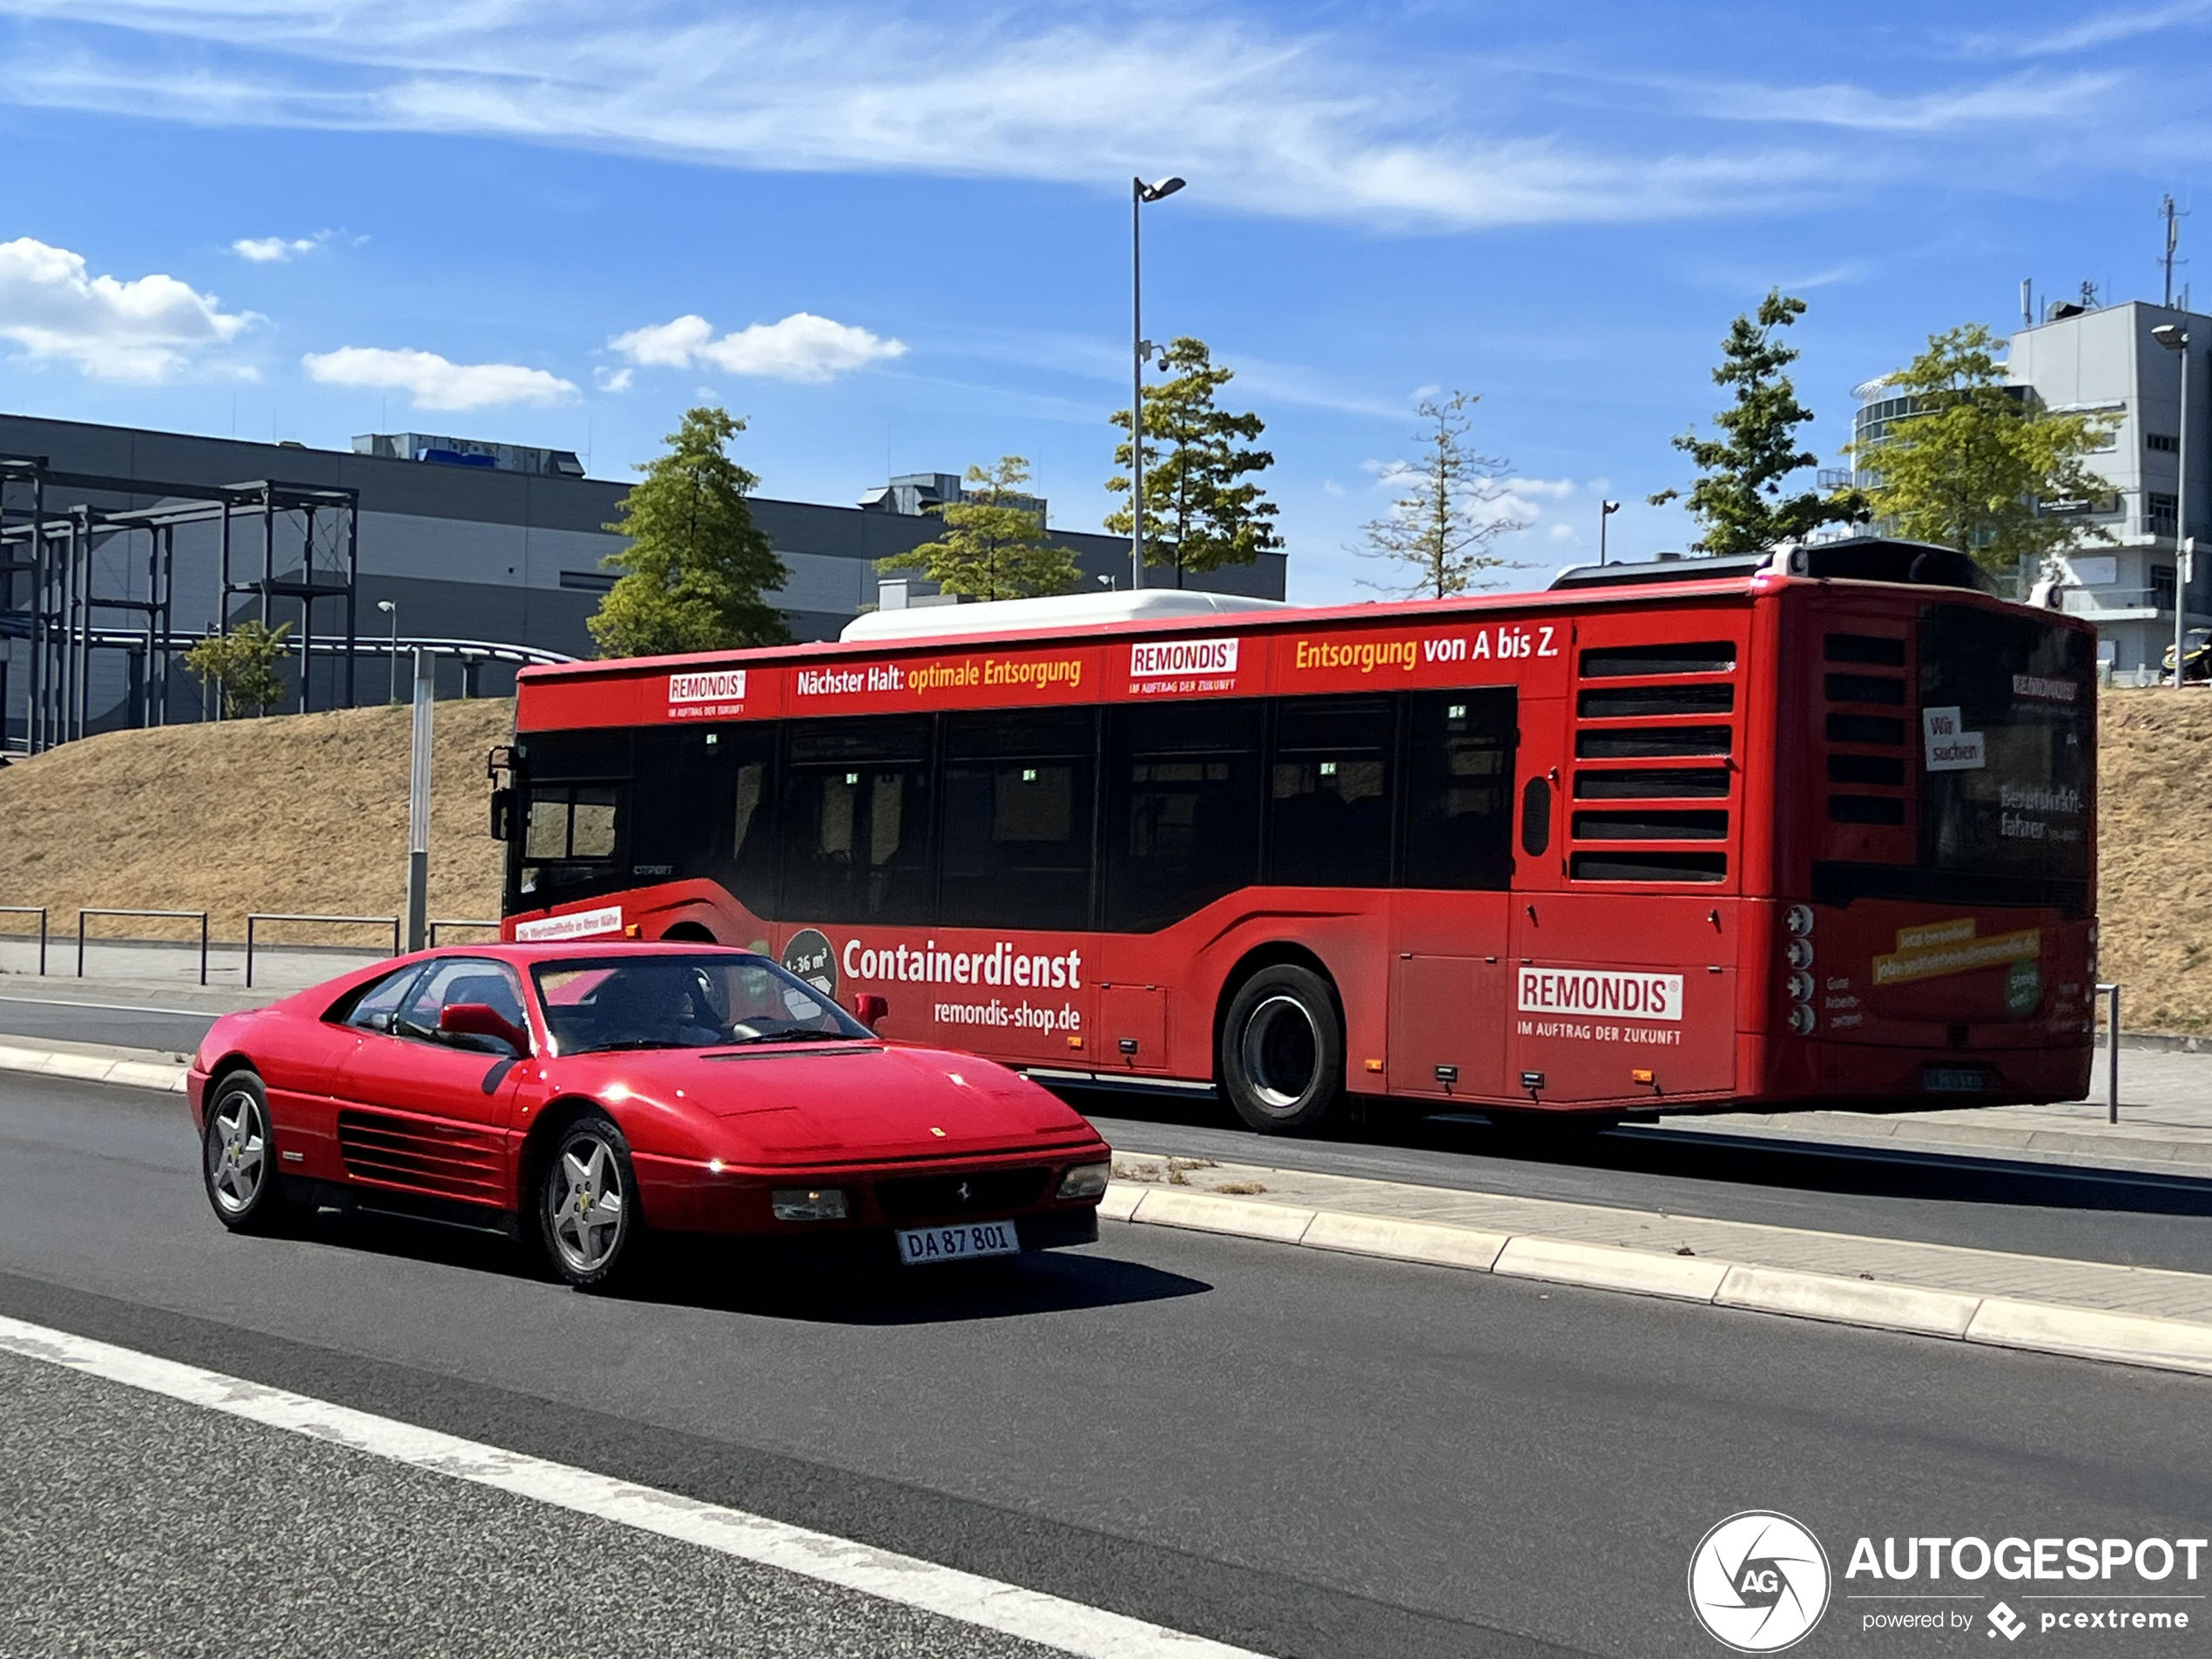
[
  {"x": 869, "y": 1009},
  {"x": 502, "y": 814},
  {"x": 482, "y": 1020}
]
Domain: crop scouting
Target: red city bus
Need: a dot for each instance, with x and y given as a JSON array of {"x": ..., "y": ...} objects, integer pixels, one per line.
[{"x": 1775, "y": 831}]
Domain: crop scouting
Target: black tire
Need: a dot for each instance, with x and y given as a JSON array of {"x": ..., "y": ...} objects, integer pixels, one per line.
[
  {"x": 1282, "y": 1050},
  {"x": 237, "y": 1157},
  {"x": 586, "y": 1186}
]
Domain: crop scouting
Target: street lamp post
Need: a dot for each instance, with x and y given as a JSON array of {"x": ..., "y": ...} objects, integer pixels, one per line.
[
  {"x": 1139, "y": 193},
  {"x": 392, "y": 692},
  {"x": 1605, "y": 512},
  {"x": 2175, "y": 337}
]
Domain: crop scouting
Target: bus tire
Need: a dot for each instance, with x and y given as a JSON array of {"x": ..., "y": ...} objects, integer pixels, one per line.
[{"x": 1282, "y": 1050}]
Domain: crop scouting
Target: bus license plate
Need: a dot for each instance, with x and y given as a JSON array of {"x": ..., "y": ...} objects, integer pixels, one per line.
[
  {"x": 1954, "y": 1080},
  {"x": 918, "y": 1246}
]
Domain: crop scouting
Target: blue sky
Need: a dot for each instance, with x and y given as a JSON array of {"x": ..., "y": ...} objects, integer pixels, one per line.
[{"x": 898, "y": 238}]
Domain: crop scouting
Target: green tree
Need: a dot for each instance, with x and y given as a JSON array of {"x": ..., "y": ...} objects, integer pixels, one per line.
[
  {"x": 695, "y": 568},
  {"x": 1739, "y": 502},
  {"x": 1443, "y": 526},
  {"x": 1201, "y": 509},
  {"x": 1976, "y": 463},
  {"x": 994, "y": 544},
  {"x": 240, "y": 668}
]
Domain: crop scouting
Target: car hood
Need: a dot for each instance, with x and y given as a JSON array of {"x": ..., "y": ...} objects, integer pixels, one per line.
[{"x": 849, "y": 1100}]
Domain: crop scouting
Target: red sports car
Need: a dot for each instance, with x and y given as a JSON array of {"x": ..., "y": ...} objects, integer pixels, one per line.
[{"x": 577, "y": 1094}]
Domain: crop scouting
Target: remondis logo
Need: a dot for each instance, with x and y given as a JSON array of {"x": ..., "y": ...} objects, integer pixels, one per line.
[{"x": 1759, "y": 1583}]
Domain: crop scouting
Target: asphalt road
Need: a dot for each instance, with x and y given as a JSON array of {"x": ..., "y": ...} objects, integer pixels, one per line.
[
  {"x": 173, "y": 1030},
  {"x": 1987, "y": 1203},
  {"x": 1297, "y": 1452}
]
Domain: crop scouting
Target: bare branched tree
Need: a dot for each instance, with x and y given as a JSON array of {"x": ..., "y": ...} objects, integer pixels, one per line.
[{"x": 1444, "y": 526}]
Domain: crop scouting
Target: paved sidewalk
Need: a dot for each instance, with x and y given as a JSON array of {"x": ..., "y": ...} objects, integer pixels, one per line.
[{"x": 2165, "y": 1122}]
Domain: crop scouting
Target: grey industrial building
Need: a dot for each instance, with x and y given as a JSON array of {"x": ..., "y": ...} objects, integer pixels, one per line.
[
  {"x": 2105, "y": 360},
  {"x": 467, "y": 542}
]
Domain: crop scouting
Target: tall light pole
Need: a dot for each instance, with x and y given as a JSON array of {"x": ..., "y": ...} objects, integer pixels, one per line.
[
  {"x": 392, "y": 692},
  {"x": 1139, "y": 193},
  {"x": 2174, "y": 337},
  {"x": 1605, "y": 512}
]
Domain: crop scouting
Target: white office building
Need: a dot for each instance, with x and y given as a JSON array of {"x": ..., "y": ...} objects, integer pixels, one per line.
[{"x": 2106, "y": 362}]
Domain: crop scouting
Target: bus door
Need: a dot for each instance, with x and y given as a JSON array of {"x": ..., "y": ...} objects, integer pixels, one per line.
[{"x": 1450, "y": 970}]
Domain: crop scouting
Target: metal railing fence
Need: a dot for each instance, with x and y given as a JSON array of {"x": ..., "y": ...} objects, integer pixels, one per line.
[
  {"x": 39, "y": 911},
  {"x": 457, "y": 922},
  {"x": 255, "y": 918},
  {"x": 199, "y": 916}
]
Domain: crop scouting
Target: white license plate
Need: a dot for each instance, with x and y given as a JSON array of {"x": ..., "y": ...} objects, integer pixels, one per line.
[
  {"x": 918, "y": 1246},
  {"x": 1954, "y": 1080}
]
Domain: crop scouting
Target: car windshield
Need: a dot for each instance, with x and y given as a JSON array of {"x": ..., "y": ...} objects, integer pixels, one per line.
[{"x": 682, "y": 1003}]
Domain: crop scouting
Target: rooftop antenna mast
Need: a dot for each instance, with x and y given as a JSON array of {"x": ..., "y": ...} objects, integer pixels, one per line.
[{"x": 2173, "y": 216}]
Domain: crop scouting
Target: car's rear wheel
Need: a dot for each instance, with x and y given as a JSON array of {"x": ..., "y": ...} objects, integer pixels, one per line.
[
  {"x": 1282, "y": 1049},
  {"x": 587, "y": 1204},
  {"x": 238, "y": 1156}
]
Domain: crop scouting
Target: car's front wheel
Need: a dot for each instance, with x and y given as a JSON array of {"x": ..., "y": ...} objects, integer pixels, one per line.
[
  {"x": 587, "y": 1204},
  {"x": 237, "y": 1157}
]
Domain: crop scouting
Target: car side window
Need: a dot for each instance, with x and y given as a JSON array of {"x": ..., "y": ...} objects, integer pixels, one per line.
[
  {"x": 462, "y": 979},
  {"x": 374, "y": 1008}
]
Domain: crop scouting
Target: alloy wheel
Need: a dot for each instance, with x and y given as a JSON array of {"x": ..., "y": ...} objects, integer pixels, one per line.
[
  {"x": 236, "y": 1146},
  {"x": 588, "y": 1203}
]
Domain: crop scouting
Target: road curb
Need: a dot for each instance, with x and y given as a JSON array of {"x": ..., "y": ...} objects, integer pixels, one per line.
[
  {"x": 1992, "y": 1321},
  {"x": 95, "y": 1068}
]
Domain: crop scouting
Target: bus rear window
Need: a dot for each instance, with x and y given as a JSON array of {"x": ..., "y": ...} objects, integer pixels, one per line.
[{"x": 2007, "y": 747}]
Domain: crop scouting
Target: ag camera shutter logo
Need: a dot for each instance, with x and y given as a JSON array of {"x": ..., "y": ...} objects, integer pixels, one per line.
[{"x": 1759, "y": 1583}]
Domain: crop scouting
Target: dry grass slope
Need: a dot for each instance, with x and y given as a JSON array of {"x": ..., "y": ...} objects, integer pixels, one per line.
[
  {"x": 309, "y": 813},
  {"x": 305, "y": 813},
  {"x": 2154, "y": 856}
]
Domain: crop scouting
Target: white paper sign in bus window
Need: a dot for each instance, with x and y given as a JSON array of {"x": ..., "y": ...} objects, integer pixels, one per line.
[
  {"x": 1601, "y": 990},
  {"x": 1153, "y": 659},
  {"x": 1947, "y": 747}
]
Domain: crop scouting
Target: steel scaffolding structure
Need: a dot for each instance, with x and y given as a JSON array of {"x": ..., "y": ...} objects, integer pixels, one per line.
[{"x": 52, "y": 596}]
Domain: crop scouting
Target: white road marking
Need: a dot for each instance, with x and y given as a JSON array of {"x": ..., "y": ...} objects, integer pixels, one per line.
[{"x": 1030, "y": 1615}]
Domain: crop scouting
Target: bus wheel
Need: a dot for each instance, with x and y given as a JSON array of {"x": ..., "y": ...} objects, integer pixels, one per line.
[{"x": 1282, "y": 1050}]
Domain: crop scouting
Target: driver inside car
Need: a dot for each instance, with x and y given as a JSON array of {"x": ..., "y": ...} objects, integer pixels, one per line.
[{"x": 640, "y": 1006}]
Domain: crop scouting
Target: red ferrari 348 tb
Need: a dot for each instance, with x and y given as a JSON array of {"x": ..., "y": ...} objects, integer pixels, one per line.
[{"x": 579, "y": 1094}]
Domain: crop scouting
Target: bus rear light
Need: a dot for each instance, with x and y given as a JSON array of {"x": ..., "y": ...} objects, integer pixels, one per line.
[
  {"x": 1801, "y": 988},
  {"x": 1802, "y": 1019},
  {"x": 1798, "y": 919},
  {"x": 1800, "y": 952}
]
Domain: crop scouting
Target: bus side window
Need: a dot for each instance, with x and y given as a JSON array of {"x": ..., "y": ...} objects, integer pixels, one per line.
[
  {"x": 1183, "y": 809},
  {"x": 1535, "y": 816},
  {"x": 1458, "y": 789},
  {"x": 1331, "y": 791},
  {"x": 1016, "y": 818},
  {"x": 856, "y": 807}
]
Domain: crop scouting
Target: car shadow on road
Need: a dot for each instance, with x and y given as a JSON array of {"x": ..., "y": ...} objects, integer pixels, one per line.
[
  {"x": 710, "y": 1274},
  {"x": 736, "y": 1281}
]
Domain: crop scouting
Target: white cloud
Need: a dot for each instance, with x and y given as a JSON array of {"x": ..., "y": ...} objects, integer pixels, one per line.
[
  {"x": 274, "y": 250},
  {"x": 612, "y": 380},
  {"x": 2015, "y": 100},
  {"x": 1313, "y": 124},
  {"x": 144, "y": 329},
  {"x": 803, "y": 347},
  {"x": 2099, "y": 29},
  {"x": 1562, "y": 532},
  {"x": 433, "y": 382},
  {"x": 1556, "y": 489}
]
